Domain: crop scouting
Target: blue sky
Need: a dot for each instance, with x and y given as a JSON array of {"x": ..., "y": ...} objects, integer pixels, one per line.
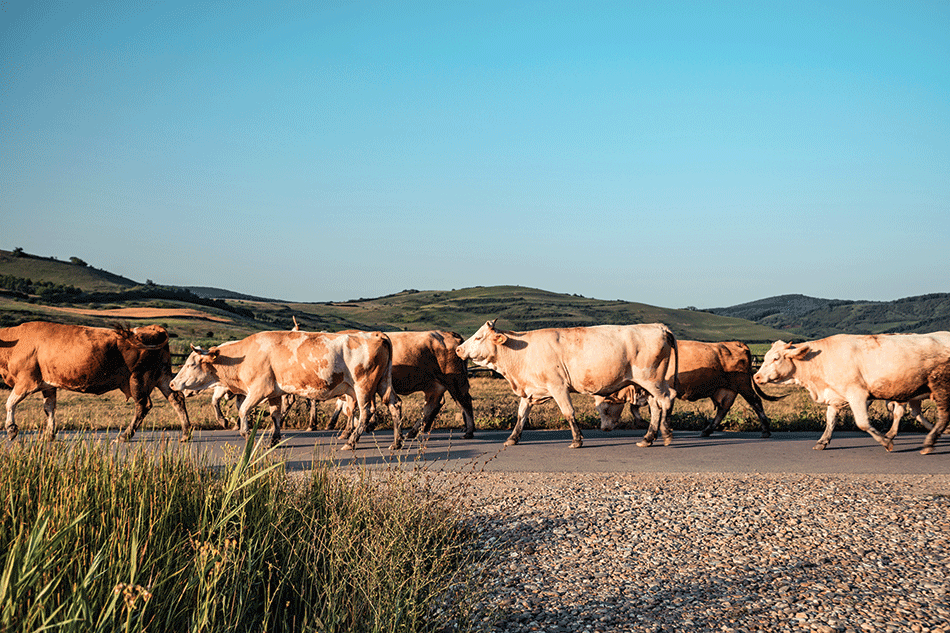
[{"x": 672, "y": 153}]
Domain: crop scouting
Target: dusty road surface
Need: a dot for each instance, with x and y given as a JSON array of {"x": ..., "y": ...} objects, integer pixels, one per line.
[{"x": 725, "y": 534}]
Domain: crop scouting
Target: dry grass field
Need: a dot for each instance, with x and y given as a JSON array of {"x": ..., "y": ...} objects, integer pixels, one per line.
[{"x": 496, "y": 407}]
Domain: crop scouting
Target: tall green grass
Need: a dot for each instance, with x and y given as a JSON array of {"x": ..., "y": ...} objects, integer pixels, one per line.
[{"x": 92, "y": 539}]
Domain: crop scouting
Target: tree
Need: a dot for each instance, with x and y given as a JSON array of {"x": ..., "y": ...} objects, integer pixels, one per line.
[
  {"x": 18, "y": 251},
  {"x": 77, "y": 261}
]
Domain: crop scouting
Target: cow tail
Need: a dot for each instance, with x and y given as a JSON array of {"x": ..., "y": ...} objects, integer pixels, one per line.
[
  {"x": 674, "y": 351},
  {"x": 385, "y": 388}
]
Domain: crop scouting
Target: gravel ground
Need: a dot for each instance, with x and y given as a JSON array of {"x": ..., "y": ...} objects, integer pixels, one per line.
[{"x": 633, "y": 552}]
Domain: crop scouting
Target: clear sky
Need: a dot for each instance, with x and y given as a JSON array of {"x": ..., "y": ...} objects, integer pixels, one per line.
[{"x": 672, "y": 153}]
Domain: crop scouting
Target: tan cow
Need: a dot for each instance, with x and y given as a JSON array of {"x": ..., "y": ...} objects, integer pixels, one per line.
[
  {"x": 718, "y": 371},
  {"x": 849, "y": 369},
  {"x": 939, "y": 382},
  {"x": 43, "y": 356},
  {"x": 426, "y": 362},
  {"x": 600, "y": 360},
  {"x": 315, "y": 365}
]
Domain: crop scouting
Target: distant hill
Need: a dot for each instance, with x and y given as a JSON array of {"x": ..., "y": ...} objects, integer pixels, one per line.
[
  {"x": 199, "y": 312},
  {"x": 66, "y": 273},
  {"x": 218, "y": 293},
  {"x": 84, "y": 294},
  {"x": 810, "y": 317}
]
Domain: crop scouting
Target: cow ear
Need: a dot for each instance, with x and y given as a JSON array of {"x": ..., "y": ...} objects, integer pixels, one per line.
[
  {"x": 498, "y": 338},
  {"x": 799, "y": 352}
]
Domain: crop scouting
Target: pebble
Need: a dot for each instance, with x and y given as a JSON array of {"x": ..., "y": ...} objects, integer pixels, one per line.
[{"x": 711, "y": 552}]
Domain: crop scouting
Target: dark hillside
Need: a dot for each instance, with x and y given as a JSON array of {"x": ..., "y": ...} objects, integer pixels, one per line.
[{"x": 811, "y": 318}]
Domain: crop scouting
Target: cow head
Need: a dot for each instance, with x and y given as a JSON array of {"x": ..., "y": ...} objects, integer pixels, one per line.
[
  {"x": 482, "y": 346},
  {"x": 198, "y": 371},
  {"x": 778, "y": 366}
]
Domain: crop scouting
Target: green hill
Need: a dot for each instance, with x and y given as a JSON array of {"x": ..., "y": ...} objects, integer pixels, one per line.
[
  {"x": 97, "y": 297},
  {"x": 809, "y": 317}
]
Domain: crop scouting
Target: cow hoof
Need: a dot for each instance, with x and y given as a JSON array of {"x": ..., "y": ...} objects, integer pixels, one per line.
[
  {"x": 343, "y": 436},
  {"x": 510, "y": 442},
  {"x": 819, "y": 446},
  {"x": 645, "y": 443},
  {"x": 395, "y": 446},
  {"x": 927, "y": 450},
  {"x": 889, "y": 446},
  {"x": 577, "y": 444},
  {"x": 347, "y": 447},
  {"x": 49, "y": 437},
  {"x": 705, "y": 433},
  {"x": 311, "y": 429},
  {"x": 469, "y": 436},
  {"x": 667, "y": 441},
  {"x": 275, "y": 440},
  {"x": 766, "y": 435},
  {"x": 12, "y": 432}
]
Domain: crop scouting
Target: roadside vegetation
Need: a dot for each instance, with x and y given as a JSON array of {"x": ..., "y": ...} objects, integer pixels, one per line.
[{"x": 94, "y": 539}]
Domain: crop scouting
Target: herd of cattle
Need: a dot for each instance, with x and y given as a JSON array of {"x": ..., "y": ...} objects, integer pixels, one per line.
[{"x": 616, "y": 364}]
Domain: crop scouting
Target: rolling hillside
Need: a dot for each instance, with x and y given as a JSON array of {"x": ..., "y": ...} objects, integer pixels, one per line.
[
  {"x": 203, "y": 314},
  {"x": 809, "y": 317}
]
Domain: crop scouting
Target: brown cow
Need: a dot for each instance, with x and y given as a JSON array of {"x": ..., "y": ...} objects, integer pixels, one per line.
[
  {"x": 315, "y": 365},
  {"x": 600, "y": 360},
  {"x": 849, "y": 369},
  {"x": 43, "y": 356},
  {"x": 718, "y": 371},
  {"x": 939, "y": 382},
  {"x": 426, "y": 362}
]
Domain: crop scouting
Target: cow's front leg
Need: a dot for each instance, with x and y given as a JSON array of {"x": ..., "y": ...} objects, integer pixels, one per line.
[
  {"x": 563, "y": 400},
  {"x": 524, "y": 410},
  {"x": 251, "y": 400},
  {"x": 13, "y": 400},
  {"x": 49, "y": 407},
  {"x": 831, "y": 413},
  {"x": 365, "y": 404},
  {"x": 143, "y": 404},
  {"x": 177, "y": 400},
  {"x": 859, "y": 407}
]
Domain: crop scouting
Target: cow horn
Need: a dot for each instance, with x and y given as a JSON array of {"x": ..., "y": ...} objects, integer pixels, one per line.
[
  {"x": 296, "y": 325},
  {"x": 199, "y": 350},
  {"x": 492, "y": 323}
]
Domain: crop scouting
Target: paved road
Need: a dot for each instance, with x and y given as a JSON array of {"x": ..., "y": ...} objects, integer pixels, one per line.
[{"x": 547, "y": 451}]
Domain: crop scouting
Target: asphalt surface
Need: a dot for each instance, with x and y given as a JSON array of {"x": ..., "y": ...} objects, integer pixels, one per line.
[{"x": 548, "y": 451}]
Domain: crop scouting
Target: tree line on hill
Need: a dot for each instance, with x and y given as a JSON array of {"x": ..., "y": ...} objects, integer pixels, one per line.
[{"x": 53, "y": 293}]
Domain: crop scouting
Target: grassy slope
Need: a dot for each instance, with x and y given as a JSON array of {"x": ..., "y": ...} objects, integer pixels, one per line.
[
  {"x": 463, "y": 311},
  {"x": 62, "y": 272}
]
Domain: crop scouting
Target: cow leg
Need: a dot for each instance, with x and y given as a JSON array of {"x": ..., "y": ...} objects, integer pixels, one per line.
[
  {"x": 431, "y": 409},
  {"x": 524, "y": 410},
  {"x": 275, "y": 407},
  {"x": 660, "y": 406},
  {"x": 723, "y": 399},
  {"x": 939, "y": 382},
  {"x": 143, "y": 404},
  {"x": 859, "y": 407},
  {"x": 459, "y": 392},
  {"x": 312, "y": 415},
  {"x": 49, "y": 407},
  {"x": 177, "y": 400},
  {"x": 364, "y": 402},
  {"x": 395, "y": 411},
  {"x": 563, "y": 400},
  {"x": 251, "y": 400},
  {"x": 13, "y": 400},
  {"x": 915, "y": 410},
  {"x": 830, "y": 414},
  {"x": 219, "y": 394},
  {"x": 756, "y": 403}
]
